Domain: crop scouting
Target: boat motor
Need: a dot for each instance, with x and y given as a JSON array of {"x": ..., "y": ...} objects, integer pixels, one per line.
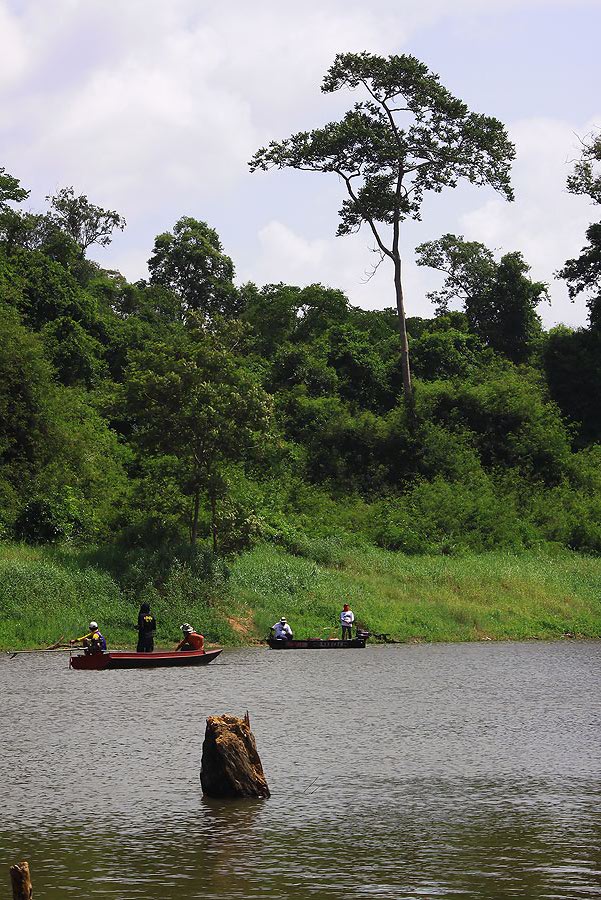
[{"x": 363, "y": 634}]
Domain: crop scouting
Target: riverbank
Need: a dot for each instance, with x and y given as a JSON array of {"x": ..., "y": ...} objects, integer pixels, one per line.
[{"x": 48, "y": 593}]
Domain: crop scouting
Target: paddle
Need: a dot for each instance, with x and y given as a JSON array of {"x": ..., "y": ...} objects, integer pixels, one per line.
[
  {"x": 14, "y": 653},
  {"x": 55, "y": 646}
]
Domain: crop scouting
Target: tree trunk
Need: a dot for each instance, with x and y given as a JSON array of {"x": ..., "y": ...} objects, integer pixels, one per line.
[
  {"x": 231, "y": 766},
  {"x": 194, "y": 526},
  {"x": 21, "y": 881},
  {"x": 400, "y": 305}
]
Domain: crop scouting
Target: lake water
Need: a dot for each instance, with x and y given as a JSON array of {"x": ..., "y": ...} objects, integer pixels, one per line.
[{"x": 434, "y": 771}]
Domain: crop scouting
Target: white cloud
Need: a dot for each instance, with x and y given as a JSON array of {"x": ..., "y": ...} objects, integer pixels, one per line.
[
  {"x": 14, "y": 55},
  {"x": 298, "y": 256},
  {"x": 131, "y": 263},
  {"x": 153, "y": 108},
  {"x": 545, "y": 222},
  {"x": 345, "y": 263},
  {"x": 176, "y": 102},
  {"x": 141, "y": 129}
]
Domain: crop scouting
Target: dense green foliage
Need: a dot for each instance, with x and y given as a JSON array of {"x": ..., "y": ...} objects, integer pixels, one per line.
[
  {"x": 583, "y": 274},
  {"x": 181, "y": 421},
  {"x": 573, "y": 360},
  {"x": 499, "y": 299}
]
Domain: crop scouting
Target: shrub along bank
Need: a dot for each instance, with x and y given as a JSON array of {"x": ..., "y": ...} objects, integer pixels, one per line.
[{"x": 46, "y": 593}]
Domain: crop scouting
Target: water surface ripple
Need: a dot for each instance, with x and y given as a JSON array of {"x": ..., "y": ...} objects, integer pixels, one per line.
[{"x": 435, "y": 771}]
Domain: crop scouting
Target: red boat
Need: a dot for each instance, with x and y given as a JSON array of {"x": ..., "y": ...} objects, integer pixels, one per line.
[{"x": 124, "y": 660}]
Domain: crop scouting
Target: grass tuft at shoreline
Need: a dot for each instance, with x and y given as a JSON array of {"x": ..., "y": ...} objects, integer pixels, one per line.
[{"x": 46, "y": 594}]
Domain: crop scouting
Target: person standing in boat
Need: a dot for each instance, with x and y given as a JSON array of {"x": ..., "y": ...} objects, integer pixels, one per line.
[
  {"x": 347, "y": 618},
  {"x": 93, "y": 641},
  {"x": 282, "y": 630},
  {"x": 146, "y": 628},
  {"x": 191, "y": 639}
]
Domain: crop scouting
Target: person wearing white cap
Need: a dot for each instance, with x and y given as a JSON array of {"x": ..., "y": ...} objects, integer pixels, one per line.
[
  {"x": 93, "y": 641},
  {"x": 191, "y": 639},
  {"x": 282, "y": 630}
]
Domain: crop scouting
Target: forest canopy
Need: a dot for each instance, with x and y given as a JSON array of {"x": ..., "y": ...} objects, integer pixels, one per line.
[{"x": 185, "y": 409}]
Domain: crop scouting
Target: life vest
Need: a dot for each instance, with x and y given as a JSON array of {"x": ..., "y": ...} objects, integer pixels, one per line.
[{"x": 96, "y": 642}]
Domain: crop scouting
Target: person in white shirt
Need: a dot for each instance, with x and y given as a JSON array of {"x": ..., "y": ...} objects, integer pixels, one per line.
[
  {"x": 282, "y": 630},
  {"x": 346, "y": 620}
]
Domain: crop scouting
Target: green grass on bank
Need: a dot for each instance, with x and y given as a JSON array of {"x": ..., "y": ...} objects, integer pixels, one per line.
[
  {"x": 42, "y": 599},
  {"x": 45, "y": 593},
  {"x": 429, "y": 598},
  {"x": 48, "y": 593}
]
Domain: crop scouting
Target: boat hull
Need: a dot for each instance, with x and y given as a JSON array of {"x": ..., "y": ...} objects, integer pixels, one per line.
[
  {"x": 317, "y": 644},
  {"x": 159, "y": 660}
]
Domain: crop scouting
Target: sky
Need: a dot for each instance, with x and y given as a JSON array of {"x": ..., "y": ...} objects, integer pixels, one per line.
[{"x": 154, "y": 108}]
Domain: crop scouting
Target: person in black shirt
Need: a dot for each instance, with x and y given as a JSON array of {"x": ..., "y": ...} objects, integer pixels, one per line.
[{"x": 146, "y": 628}]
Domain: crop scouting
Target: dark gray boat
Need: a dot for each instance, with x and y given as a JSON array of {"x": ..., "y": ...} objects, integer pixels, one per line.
[{"x": 355, "y": 643}]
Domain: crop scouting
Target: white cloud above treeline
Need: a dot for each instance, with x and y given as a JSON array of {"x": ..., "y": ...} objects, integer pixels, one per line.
[{"x": 154, "y": 109}]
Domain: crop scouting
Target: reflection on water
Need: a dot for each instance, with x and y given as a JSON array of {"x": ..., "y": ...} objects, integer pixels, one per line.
[{"x": 396, "y": 772}]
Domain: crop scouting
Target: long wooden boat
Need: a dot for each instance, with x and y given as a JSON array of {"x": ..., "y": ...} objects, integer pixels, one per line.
[
  {"x": 123, "y": 660},
  {"x": 317, "y": 644}
]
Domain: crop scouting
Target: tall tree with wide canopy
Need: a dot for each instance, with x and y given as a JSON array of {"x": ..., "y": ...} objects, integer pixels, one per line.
[{"x": 409, "y": 136}]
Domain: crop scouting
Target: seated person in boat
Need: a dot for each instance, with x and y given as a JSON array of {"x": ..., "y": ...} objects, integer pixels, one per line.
[
  {"x": 282, "y": 630},
  {"x": 146, "y": 628},
  {"x": 346, "y": 621},
  {"x": 93, "y": 641},
  {"x": 191, "y": 640}
]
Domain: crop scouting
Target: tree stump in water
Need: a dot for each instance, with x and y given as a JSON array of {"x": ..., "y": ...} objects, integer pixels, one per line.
[
  {"x": 21, "y": 881},
  {"x": 230, "y": 765}
]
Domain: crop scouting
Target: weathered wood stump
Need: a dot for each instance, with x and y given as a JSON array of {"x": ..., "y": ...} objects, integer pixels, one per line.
[
  {"x": 230, "y": 765},
  {"x": 21, "y": 881}
]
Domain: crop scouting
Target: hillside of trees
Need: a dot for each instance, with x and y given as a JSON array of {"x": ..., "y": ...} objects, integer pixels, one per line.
[
  {"x": 183, "y": 420},
  {"x": 165, "y": 429},
  {"x": 186, "y": 410}
]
